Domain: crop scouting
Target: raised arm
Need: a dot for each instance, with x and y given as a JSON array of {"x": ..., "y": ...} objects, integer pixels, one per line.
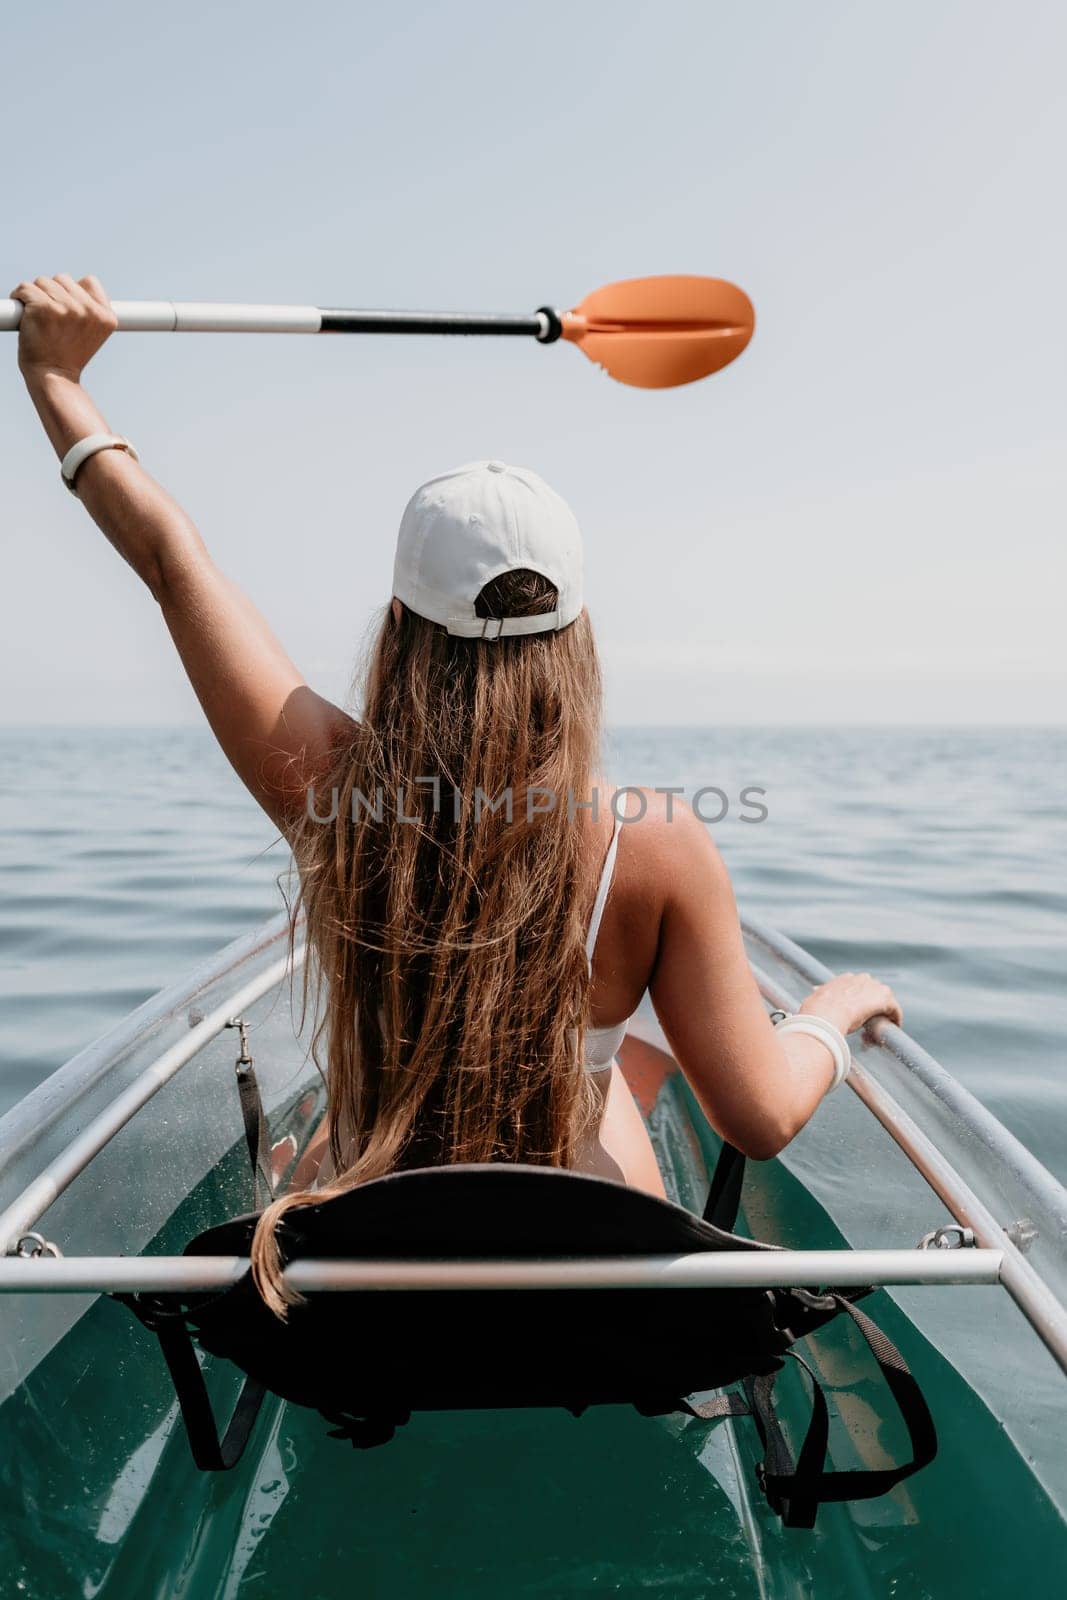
[
  {"x": 757, "y": 1088},
  {"x": 275, "y": 730}
]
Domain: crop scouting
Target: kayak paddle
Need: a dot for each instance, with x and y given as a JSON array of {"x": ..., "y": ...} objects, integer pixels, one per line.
[{"x": 653, "y": 333}]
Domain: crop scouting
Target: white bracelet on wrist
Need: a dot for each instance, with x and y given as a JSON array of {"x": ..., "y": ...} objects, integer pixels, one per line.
[
  {"x": 79, "y": 453},
  {"x": 819, "y": 1028}
]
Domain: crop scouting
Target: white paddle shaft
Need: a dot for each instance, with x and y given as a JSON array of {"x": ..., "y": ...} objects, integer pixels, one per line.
[{"x": 194, "y": 316}]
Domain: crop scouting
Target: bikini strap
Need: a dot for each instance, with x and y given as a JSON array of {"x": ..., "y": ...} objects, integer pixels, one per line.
[{"x": 607, "y": 873}]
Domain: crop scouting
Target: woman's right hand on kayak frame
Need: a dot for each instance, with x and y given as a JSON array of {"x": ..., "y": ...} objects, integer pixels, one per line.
[{"x": 851, "y": 1000}]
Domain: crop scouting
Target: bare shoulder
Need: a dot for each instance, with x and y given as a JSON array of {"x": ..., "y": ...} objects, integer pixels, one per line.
[
  {"x": 664, "y": 839},
  {"x": 670, "y": 888}
]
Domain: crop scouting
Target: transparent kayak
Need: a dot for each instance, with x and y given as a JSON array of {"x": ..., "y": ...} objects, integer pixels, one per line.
[{"x": 119, "y": 1158}]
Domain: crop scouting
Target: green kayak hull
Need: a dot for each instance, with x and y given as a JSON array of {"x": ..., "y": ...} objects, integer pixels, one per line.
[{"x": 101, "y": 1497}]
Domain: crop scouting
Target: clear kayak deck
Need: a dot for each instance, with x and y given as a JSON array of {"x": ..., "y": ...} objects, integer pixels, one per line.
[{"x": 101, "y": 1496}]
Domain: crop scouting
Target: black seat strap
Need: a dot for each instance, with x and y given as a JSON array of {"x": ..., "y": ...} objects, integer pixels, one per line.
[
  {"x": 724, "y": 1196},
  {"x": 209, "y": 1452},
  {"x": 777, "y": 1457},
  {"x": 257, "y": 1135},
  {"x": 796, "y": 1493}
]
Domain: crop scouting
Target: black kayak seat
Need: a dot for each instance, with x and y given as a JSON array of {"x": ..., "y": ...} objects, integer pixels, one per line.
[
  {"x": 366, "y": 1359},
  {"x": 438, "y": 1349}
]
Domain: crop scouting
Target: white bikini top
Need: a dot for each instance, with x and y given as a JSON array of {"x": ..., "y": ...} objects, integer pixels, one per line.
[{"x": 601, "y": 1044}]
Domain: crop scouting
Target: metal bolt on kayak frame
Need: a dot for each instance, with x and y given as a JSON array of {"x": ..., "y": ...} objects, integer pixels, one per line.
[
  {"x": 1022, "y": 1233},
  {"x": 38, "y": 1246},
  {"x": 950, "y": 1236},
  {"x": 244, "y": 1059}
]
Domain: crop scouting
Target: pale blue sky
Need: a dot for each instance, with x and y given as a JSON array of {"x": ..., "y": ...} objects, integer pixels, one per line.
[{"x": 861, "y": 521}]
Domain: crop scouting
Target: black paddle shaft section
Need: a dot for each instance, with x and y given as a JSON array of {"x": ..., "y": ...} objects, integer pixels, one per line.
[{"x": 542, "y": 325}]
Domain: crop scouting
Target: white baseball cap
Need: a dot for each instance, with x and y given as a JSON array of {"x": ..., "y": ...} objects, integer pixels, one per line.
[{"x": 465, "y": 528}]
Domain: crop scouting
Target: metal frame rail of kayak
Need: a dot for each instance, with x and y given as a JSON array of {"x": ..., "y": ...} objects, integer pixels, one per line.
[
  {"x": 1045, "y": 1313},
  {"x": 725, "y": 1269},
  {"x": 995, "y": 1257}
]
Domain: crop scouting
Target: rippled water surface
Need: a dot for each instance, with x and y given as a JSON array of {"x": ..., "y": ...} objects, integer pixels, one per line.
[{"x": 936, "y": 859}]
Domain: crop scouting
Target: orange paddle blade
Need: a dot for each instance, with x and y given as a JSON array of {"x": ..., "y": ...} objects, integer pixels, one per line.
[{"x": 656, "y": 333}]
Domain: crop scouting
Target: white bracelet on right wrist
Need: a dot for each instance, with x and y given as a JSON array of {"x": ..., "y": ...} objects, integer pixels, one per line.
[{"x": 819, "y": 1028}]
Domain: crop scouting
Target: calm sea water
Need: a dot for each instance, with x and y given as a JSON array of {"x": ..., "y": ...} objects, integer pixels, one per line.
[{"x": 933, "y": 858}]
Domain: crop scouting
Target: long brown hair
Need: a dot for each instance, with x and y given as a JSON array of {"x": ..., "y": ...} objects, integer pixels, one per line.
[{"x": 446, "y": 938}]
